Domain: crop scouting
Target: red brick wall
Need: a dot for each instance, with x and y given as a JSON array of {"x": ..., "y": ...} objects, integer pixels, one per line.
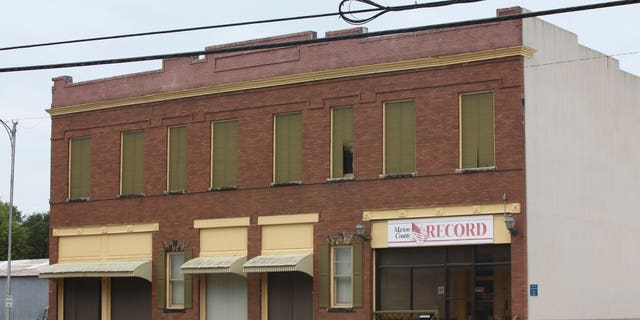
[{"x": 340, "y": 205}]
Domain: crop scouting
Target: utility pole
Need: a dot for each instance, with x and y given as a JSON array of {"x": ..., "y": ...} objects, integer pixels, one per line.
[{"x": 12, "y": 137}]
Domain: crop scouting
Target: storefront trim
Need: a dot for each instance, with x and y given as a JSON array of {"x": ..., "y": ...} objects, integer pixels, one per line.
[
  {"x": 141, "y": 269},
  {"x": 405, "y": 213},
  {"x": 280, "y": 263},
  {"x": 221, "y": 264}
]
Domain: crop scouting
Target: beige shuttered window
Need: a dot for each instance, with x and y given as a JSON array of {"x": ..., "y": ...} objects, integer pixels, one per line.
[
  {"x": 340, "y": 276},
  {"x": 341, "y": 142},
  {"x": 477, "y": 130},
  {"x": 132, "y": 163},
  {"x": 79, "y": 168},
  {"x": 288, "y": 148},
  {"x": 224, "y": 154},
  {"x": 176, "y": 166},
  {"x": 399, "y": 137}
]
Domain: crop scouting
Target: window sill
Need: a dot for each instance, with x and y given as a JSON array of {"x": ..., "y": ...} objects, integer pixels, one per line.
[
  {"x": 398, "y": 175},
  {"x": 222, "y": 188},
  {"x": 284, "y": 184},
  {"x": 480, "y": 169},
  {"x": 130, "y": 195},
  {"x": 168, "y": 193},
  {"x": 340, "y": 309},
  {"x": 174, "y": 310},
  {"x": 78, "y": 199},
  {"x": 341, "y": 179}
]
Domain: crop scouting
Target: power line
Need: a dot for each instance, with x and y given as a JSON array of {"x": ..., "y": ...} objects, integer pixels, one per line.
[
  {"x": 323, "y": 40},
  {"x": 374, "y": 8}
]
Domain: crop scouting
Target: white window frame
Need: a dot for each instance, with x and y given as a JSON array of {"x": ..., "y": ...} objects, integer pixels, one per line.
[
  {"x": 335, "y": 277},
  {"x": 171, "y": 280}
]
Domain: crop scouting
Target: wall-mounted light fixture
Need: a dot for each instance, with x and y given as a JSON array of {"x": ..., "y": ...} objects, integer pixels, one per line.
[
  {"x": 509, "y": 220},
  {"x": 361, "y": 231}
]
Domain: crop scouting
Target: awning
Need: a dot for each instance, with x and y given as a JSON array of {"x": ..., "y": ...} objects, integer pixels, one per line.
[
  {"x": 139, "y": 268},
  {"x": 281, "y": 263},
  {"x": 222, "y": 264}
]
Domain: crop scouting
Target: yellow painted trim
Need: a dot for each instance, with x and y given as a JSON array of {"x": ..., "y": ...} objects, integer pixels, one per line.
[
  {"x": 211, "y": 157},
  {"x": 500, "y": 232},
  {"x": 60, "y": 298},
  {"x": 69, "y": 168},
  {"x": 441, "y": 211},
  {"x": 106, "y": 299},
  {"x": 374, "y": 258},
  {"x": 380, "y": 230},
  {"x": 288, "y": 219},
  {"x": 221, "y": 223},
  {"x": 331, "y": 145},
  {"x": 203, "y": 297},
  {"x": 121, "y": 158},
  {"x": 105, "y": 229},
  {"x": 493, "y": 95},
  {"x": 413, "y": 64},
  {"x": 265, "y": 296}
]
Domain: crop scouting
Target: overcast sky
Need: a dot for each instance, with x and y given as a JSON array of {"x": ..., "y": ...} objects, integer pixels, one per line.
[{"x": 24, "y": 96}]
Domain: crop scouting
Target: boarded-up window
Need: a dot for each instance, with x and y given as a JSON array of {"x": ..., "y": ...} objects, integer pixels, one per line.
[
  {"x": 130, "y": 299},
  {"x": 82, "y": 298},
  {"x": 290, "y": 296},
  {"x": 177, "y": 158},
  {"x": 225, "y": 154},
  {"x": 342, "y": 142},
  {"x": 132, "y": 175},
  {"x": 288, "y": 148},
  {"x": 477, "y": 138},
  {"x": 80, "y": 168},
  {"x": 399, "y": 137}
]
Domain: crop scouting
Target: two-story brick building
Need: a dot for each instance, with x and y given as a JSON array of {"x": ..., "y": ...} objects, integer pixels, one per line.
[{"x": 230, "y": 186}]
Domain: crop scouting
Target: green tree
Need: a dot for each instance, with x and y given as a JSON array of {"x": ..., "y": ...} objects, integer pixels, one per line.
[
  {"x": 36, "y": 226},
  {"x": 17, "y": 238},
  {"x": 29, "y": 237}
]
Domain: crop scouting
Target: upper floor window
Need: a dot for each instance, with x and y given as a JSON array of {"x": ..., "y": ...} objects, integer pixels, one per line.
[
  {"x": 477, "y": 131},
  {"x": 288, "y": 148},
  {"x": 79, "y": 168},
  {"x": 224, "y": 154},
  {"x": 176, "y": 166},
  {"x": 132, "y": 163},
  {"x": 341, "y": 142},
  {"x": 399, "y": 137}
]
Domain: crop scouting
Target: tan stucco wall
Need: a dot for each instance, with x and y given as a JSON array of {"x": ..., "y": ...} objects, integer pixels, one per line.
[{"x": 582, "y": 157}]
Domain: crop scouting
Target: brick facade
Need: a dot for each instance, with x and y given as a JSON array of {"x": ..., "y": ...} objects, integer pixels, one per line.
[{"x": 340, "y": 205}]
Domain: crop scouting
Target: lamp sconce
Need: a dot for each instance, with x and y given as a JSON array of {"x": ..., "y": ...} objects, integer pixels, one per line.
[
  {"x": 509, "y": 220},
  {"x": 361, "y": 232},
  {"x": 510, "y": 223}
]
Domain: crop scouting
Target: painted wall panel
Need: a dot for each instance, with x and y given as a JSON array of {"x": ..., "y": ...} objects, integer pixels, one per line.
[{"x": 582, "y": 156}]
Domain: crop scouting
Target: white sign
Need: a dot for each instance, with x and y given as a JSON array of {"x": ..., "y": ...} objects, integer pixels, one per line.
[{"x": 440, "y": 231}]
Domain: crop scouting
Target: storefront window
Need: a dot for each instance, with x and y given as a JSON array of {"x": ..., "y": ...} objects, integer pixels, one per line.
[{"x": 460, "y": 282}]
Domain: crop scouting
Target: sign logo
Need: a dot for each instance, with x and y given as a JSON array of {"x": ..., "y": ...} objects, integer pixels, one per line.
[{"x": 440, "y": 231}]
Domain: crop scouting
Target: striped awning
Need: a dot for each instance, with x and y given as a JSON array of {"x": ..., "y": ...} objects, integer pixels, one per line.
[
  {"x": 281, "y": 263},
  {"x": 222, "y": 264},
  {"x": 138, "y": 268}
]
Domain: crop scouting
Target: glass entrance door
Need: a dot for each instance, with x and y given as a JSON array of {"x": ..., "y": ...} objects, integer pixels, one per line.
[{"x": 462, "y": 282}]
